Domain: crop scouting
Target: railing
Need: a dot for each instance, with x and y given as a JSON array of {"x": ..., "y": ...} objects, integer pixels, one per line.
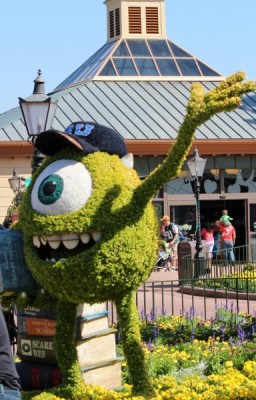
[
  {"x": 200, "y": 290},
  {"x": 176, "y": 297},
  {"x": 218, "y": 265}
]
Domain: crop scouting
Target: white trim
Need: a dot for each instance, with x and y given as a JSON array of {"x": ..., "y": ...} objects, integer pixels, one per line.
[{"x": 158, "y": 78}]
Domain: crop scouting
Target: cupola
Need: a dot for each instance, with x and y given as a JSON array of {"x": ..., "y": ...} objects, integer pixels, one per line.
[
  {"x": 137, "y": 48},
  {"x": 135, "y": 19}
]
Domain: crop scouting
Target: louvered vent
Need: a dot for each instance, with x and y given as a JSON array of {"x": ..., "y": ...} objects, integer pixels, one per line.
[
  {"x": 117, "y": 20},
  {"x": 152, "y": 24},
  {"x": 111, "y": 24},
  {"x": 134, "y": 19}
]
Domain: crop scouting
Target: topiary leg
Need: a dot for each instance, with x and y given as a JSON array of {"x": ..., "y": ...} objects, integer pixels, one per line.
[
  {"x": 65, "y": 345},
  {"x": 131, "y": 340}
]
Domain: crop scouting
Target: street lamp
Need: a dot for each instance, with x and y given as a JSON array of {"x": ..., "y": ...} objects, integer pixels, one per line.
[
  {"x": 38, "y": 112},
  {"x": 196, "y": 167},
  {"x": 15, "y": 184}
]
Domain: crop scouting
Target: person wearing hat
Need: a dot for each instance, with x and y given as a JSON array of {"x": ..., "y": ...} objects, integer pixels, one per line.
[
  {"x": 227, "y": 239},
  {"x": 9, "y": 380},
  {"x": 170, "y": 233}
]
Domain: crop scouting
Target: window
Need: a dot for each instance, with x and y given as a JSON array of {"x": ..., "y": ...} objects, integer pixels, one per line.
[{"x": 240, "y": 180}]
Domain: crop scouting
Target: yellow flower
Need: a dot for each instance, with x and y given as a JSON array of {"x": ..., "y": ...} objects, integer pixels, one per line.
[{"x": 229, "y": 364}]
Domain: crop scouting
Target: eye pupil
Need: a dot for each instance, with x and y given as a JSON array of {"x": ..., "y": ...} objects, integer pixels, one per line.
[{"x": 49, "y": 188}]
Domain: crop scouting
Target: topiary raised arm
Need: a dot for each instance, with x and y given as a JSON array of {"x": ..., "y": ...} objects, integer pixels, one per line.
[{"x": 202, "y": 106}]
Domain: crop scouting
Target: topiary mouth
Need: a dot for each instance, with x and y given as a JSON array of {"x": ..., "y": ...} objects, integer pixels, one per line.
[{"x": 56, "y": 247}]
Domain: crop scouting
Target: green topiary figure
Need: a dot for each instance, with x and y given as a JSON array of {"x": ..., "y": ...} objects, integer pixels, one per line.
[{"x": 90, "y": 232}]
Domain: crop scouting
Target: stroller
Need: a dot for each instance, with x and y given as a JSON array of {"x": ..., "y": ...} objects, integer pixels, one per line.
[{"x": 164, "y": 256}]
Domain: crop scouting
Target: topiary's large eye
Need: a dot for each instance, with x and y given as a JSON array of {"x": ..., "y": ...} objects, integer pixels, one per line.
[
  {"x": 63, "y": 186},
  {"x": 50, "y": 189}
]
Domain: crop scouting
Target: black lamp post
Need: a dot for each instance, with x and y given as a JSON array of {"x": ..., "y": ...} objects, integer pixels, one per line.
[
  {"x": 38, "y": 112},
  {"x": 196, "y": 167},
  {"x": 15, "y": 184}
]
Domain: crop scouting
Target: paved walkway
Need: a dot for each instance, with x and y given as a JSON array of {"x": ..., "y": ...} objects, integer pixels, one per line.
[{"x": 162, "y": 293}]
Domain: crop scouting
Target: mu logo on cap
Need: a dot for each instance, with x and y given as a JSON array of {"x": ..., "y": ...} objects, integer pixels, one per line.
[{"x": 79, "y": 129}]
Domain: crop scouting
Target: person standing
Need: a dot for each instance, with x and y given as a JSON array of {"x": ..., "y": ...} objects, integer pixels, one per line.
[
  {"x": 216, "y": 247},
  {"x": 207, "y": 234},
  {"x": 9, "y": 379},
  {"x": 228, "y": 238},
  {"x": 170, "y": 233}
]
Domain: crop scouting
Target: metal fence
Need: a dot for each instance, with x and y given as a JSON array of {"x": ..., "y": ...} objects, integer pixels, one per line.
[
  {"x": 176, "y": 297},
  {"x": 200, "y": 289},
  {"x": 218, "y": 265}
]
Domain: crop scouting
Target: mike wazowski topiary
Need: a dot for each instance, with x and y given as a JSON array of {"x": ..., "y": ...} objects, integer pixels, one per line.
[{"x": 90, "y": 232}]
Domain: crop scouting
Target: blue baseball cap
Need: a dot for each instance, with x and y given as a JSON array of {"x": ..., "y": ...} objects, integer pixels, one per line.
[{"x": 87, "y": 137}]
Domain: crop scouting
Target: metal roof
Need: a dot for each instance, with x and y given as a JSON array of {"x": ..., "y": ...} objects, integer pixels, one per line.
[{"x": 137, "y": 110}]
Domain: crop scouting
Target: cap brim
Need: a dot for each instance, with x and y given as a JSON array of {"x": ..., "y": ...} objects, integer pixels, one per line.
[{"x": 52, "y": 141}]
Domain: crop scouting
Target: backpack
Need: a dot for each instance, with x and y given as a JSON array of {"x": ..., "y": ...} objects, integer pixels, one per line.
[{"x": 169, "y": 233}]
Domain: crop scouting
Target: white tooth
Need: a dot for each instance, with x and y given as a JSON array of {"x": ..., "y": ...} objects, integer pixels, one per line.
[
  {"x": 85, "y": 238},
  {"x": 36, "y": 241},
  {"x": 96, "y": 235},
  {"x": 54, "y": 241},
  {"x": 43, "y": 240},
  {"x": 70, "y": 240}
]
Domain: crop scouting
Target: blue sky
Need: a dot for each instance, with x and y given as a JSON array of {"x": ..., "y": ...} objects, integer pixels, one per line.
[{"x": 58, "y": 36}]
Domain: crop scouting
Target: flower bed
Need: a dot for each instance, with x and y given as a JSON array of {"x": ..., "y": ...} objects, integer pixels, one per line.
[{"x": 188, "y": 359}]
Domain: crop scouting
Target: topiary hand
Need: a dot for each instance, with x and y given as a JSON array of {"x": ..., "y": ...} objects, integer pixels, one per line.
[{"x": 225, "y": 97}]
